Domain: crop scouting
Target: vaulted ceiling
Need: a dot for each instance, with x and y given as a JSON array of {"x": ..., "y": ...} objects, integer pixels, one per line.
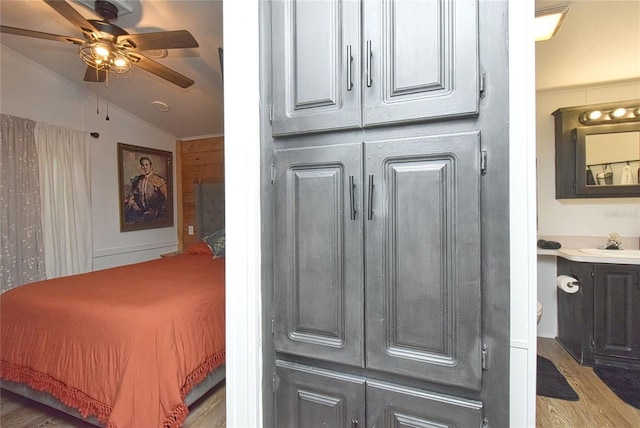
[{"x": 193, "y": 112}]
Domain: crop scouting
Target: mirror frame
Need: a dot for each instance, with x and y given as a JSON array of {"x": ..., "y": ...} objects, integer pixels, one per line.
[
  {"x": 581, "y": 161},
  {"x": 571, "y": 184}
]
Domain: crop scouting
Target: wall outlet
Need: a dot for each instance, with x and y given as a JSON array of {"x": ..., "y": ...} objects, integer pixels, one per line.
[{"x": 190, "y": 232}]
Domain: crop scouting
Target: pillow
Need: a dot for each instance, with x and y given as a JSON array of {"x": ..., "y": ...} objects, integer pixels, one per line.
[
  {"x": 216, "y": 242},
  {"x": 199, "y": 248}
]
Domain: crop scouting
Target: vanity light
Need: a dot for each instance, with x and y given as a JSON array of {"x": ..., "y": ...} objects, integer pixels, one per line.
[
  {"x": 595, "y": 115},
  {"x": 615, "y": 115},
  {"x": 619, "y": 112},
  {"x": 548, "y": 21}
]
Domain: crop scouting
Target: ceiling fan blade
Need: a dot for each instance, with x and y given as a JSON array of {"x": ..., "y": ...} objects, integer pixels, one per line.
[
  {"x": 179, "y": 39},
  {"x": 160, "y": 70},
  {"x": 37, "y": 34},
  {"x": 90, "y": 75},
  {"x": 71, "y": 15}
]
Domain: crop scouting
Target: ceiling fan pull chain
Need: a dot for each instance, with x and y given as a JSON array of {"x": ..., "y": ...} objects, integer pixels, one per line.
[
  {"x": 107, "y": 80},
  {"x": 97, "y": 94}
]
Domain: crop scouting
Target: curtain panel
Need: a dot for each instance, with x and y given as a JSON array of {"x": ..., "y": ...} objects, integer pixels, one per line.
[
  {"x": 65, "y": 171},
  {"x": 21, "y": 239}
]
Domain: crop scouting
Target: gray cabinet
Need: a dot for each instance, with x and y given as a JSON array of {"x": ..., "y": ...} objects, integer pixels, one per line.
[
  {"x": 616, "y": 314},
  {"x": 385, "y": 222},
  {"x": 315, "y": 58},
  {"x": 600, "y": 324},
  {"x": 318, "y": 261},
  {"x": 422, "y": 258},
  {"x": 410, "y": 61},
  {"x": 311, "y": 397},
  {"x": 387, "y": 232},
  {"x": 391, "y": 405}
]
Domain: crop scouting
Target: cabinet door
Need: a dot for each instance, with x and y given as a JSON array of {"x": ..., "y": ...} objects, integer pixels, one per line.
[
  {"x": 422, "y": 239},
  {"x": 318, "y": 253},
  {"x": 316, "y": 52},
  {"x": 616, "y": 315},
  {"x": 420, "y": 60},
  {"x": 390, "y": 405},
  {"x": 310, "y": 397}
]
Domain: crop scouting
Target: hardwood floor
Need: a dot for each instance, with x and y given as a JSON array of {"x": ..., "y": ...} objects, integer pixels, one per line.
[
  {"x": 18, "y": 412},
  {"x": 597, "y": 407}
]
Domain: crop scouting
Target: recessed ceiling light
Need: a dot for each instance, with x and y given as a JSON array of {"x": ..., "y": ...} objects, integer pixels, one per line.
[
  {"x": 160, "y": 106},
  {"x": 548, "y": 21},
  {"x": 157, "y": 53}
]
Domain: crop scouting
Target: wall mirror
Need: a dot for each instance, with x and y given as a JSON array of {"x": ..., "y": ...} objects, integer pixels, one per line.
[{"x": 598, "y": 150}]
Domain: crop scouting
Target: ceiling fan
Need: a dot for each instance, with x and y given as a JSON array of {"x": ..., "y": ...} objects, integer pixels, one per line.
[{"x": 109, "y": 48}]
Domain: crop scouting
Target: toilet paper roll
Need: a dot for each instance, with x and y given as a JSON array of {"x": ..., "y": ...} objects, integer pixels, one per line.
[{"x": 567, "y": 283}]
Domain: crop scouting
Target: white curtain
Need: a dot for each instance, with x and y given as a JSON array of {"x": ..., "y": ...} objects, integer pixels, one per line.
[
  {"x": 64, "y": 166},
  {"x": 21, "y": 244}
]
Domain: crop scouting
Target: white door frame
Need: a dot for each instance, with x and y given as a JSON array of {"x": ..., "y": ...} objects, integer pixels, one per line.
[{"x": 242, "y": 177}]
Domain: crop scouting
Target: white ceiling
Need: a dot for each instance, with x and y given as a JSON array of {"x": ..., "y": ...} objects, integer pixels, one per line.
[
  {"x": 599, "y": 41},
  {"x": 194, "y": 112}
]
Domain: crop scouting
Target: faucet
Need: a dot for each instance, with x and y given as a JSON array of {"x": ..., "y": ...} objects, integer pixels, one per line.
[{"x": 613, "y": 242}]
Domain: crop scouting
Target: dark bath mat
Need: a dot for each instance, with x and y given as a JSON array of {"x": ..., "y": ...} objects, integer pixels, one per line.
[
  {"x": 551, "y": 383},
  {"x": 625, "y": 383}
]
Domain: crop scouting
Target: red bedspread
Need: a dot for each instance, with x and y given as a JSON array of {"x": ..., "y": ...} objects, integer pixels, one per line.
[{"x": 124, "y": 344}]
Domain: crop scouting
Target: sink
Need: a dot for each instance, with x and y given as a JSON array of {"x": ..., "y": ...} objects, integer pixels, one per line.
[{"x": 612, "y": 253}]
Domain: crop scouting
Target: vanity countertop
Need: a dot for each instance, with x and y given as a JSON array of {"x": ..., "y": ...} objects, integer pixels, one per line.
[{"x": 576, "y": 255}]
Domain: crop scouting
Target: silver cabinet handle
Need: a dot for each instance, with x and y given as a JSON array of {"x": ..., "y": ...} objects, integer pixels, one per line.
[
  {"x": 349, "y": 60},
  {"x": 369, "y": 79},
  {"x": 352, "y": 196},
  {"x": 370, "y": 202},
  {"x": 354, "y": 423}
]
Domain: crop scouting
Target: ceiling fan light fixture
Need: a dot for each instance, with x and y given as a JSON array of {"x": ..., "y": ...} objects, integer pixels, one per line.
[{"x": 104, "y": 55}]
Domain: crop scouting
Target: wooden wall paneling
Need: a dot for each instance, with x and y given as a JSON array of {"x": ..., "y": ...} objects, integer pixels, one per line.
[
  {"x": 199, "y": 160},
  {"x": 179, "y": 190}
]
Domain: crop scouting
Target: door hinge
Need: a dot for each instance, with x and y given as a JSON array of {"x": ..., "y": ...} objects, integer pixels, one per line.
[
  {"x": 485, "y": 356},
  {"x": 482, "y": 76},
  {"x": 483, "y": 162},
  {"x": 273, "y": 324},
  {"x": 273, "y": 174},
  {"x": 270, "y": 114}
]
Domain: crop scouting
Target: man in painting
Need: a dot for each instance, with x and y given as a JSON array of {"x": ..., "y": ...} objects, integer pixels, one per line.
[{"x": 148, "y": 198}]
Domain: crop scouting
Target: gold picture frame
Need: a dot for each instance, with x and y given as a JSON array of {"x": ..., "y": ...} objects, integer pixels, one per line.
[{"x": 145, "y": 188}]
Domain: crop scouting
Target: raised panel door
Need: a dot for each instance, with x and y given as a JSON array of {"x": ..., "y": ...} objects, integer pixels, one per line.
[
  {"x": 310, "y": 397},
  {"x": 420, "y": 60},
  {"x": 616, "y": 314},
  {"x": 390, "y": 405},
  {"x": 318, "y": 253},
  {"x": 316, "y": 51},
  {"x": 422, "y": 236}
]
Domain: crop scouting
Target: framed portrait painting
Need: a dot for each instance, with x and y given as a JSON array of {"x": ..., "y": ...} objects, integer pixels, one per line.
[{"x": 145, "y": 183}]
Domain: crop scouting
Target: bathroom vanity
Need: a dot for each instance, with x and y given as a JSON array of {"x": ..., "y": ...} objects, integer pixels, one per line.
[{"x": 600, "y": 324}]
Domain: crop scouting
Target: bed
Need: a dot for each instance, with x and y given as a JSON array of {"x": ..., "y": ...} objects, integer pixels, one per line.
[{"x": 131, "y": 346}]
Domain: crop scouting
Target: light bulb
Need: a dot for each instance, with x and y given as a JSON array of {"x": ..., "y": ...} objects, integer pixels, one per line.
[
  {"x": 619, "y": 112},
  {"x": 101, "y": 51},
  {"x": 594, "y": 115},
  {"x": 120, "y": 62}
]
